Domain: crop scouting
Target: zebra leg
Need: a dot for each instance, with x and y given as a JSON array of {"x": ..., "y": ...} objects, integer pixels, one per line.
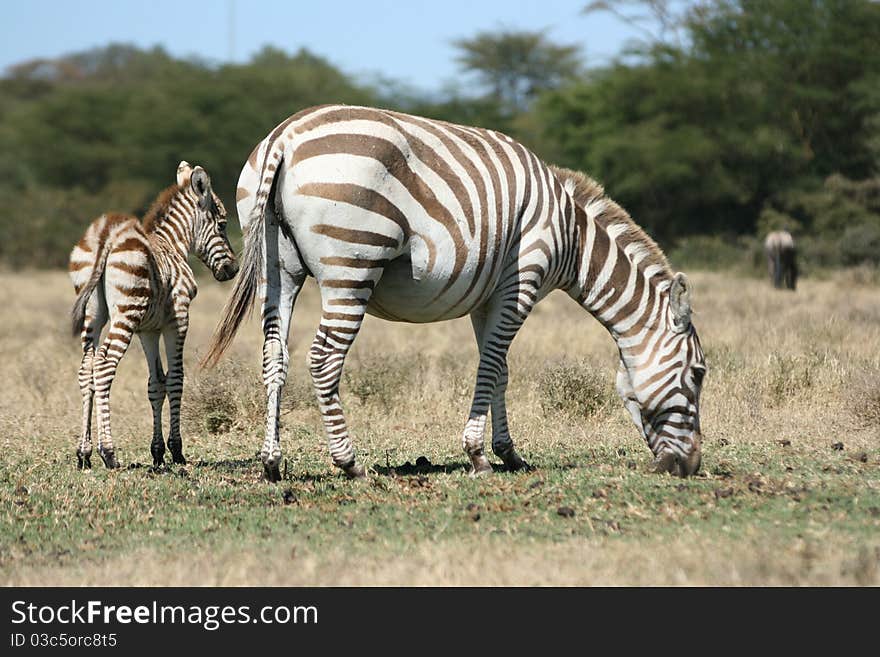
[
  {"x": 106, "y": 361},
  {"x": 341, "y": 319},
  {"x": 502, "y": 443},
  {"x": 95, "y": 318},
  {"x": 155, "y": 393},
  {"x": 277, "y": 311},
  {"x": 174, "y": 338},
  {"x": 501, "y": 319},
  {"x": 777, "y": 268}
]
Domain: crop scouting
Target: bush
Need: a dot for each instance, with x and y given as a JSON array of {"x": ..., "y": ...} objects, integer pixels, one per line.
[
  {"x": 381, "y": 379},
  {"x": 864, "y": 395},
  {"x": 222, "y": 398},
  {"x": 860, "y": 244},
  {"x": 788, "y": 375},
  {"x": 231, "y": 396},
  {"x": 714, "y": 252},
  {"x": 577, "y": 390}
]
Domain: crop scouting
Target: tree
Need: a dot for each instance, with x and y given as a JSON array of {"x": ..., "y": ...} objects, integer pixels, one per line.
[
  {"x": 516, "y": 66},
  {"x": 105, "y": 129},
  {"x": 758, "y": 98}
]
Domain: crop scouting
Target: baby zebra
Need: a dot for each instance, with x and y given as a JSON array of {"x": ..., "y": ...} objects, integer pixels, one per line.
[{"x": 136, "y": 275}]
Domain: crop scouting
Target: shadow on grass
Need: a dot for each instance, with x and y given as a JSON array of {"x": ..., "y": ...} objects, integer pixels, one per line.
[
  {"x": 424, "y": 466},
  {"x": 222, "y": 465},
  {"x": 227, "y": 464},
  {"x": 421, "y": 467}
]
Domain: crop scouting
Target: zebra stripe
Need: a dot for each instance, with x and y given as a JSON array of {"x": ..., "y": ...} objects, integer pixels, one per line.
[
  {"x": 418, "y": 220},
  {"x": 136, "y": 276}
]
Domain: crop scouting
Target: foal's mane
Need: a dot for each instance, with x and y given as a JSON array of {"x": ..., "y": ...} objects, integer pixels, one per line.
[{"x": 159, "y": 208}]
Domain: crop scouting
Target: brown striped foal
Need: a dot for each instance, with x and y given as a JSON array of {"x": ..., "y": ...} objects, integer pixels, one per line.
[{"x": 135, "y": 274}]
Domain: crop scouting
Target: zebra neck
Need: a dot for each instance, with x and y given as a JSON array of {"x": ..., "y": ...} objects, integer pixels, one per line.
[
  {"x": 629, "y": 299},
  {"x": 175, "y": 228}
]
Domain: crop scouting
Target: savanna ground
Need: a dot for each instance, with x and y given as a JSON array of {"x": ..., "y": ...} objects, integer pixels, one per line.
[{"x": 789, "y": 491}]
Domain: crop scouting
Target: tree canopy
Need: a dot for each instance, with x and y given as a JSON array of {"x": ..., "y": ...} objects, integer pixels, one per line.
[
  {"x": 737, "y": 116},
  {"x": 517, "y": 66}
]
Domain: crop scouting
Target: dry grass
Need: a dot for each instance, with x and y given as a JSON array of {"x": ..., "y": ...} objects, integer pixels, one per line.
[{"x": 789, "y": 376}]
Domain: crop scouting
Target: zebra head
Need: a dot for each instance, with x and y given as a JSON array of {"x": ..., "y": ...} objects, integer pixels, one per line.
[
  {"x": 660, "y": 383},
  {"x": 210, "y": 242}
]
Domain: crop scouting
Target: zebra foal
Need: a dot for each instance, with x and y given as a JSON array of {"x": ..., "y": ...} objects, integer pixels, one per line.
[
  {"x": 135, "y": 274},
  {"x": 417, "y": 220}
]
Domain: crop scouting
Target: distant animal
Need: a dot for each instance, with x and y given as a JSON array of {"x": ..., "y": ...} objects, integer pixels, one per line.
[
  {"x": 417, "y": 220},
  {"x": 781, "y": 259},
  {"x": 136, "y": 275}
]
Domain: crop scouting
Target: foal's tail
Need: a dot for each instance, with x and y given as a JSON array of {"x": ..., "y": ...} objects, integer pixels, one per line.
[
  {"x": 253, "y": 258},
  {"x": 78, "y": 312}
]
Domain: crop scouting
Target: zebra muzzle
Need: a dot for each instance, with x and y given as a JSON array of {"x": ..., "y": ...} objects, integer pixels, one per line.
[
  {"x": 226, "y": 271},
  {"x": 668, "y": 461}
]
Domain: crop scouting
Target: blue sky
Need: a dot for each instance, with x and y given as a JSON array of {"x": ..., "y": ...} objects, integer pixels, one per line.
[{"x": 406, "y": 41}]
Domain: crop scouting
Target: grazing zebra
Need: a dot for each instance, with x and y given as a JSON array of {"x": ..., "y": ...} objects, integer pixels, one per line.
[
  {"x": 781, "y": 259},
  {"x": 136, "y": 275},
  {"x": 417, "y": 220}
]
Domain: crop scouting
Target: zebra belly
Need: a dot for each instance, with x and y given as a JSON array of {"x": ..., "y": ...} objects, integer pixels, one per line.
[
  {"x": 399, "y": 297},
  {"x": 157, "y": 317}
]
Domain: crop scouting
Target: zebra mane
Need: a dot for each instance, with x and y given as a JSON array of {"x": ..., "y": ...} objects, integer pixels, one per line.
[
  {"x": 591, "y": 196},
  {"x": 159, "y": 208}
]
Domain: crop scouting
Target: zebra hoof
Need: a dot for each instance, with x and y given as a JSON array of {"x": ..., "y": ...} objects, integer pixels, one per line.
[
  {"x": 513, "y": 462},
  {"x": 109, "y": 458},
  {"x": 176, "y": 447},
  {"x": 83, "y": 460},
  {"x": 272, "y": 473},
  {"x": 355, "y": 471},
  {"x": 158, "y": 457},
  {"x": 481, "y": 466},
  {"x": 519, "y": 466}
]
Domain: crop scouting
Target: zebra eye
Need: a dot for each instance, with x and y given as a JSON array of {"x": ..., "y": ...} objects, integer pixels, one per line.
[{"x": 698, "y": 373}]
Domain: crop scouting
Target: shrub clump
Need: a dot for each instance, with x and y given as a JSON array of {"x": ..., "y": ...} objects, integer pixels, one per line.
[
  {"x": 787, "y": 376},
  {"x": 577, "y": 390},
  {"x": 863, "y": 392},
  {"x": 232, "y": 396},
  {"x": 382, "y": 379}
]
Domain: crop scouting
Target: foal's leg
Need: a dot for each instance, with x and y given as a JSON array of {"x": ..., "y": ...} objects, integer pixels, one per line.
[
  {"x": 155, "y": 393},
  {"x": 106, "y": 361},
  {"x": 174, "y": 337},
  {"x": 95, "y": 318}
]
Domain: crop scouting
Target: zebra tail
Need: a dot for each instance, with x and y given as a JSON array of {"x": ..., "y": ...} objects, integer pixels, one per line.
[
  {"x": 78, "y": 313},
  {"x": 247, "y": 282}
]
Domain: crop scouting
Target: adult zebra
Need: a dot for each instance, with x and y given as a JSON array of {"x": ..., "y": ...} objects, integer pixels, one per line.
[
  {"x": 781, "y": 259},
  {"x": 417, "y": 220},
  {"x": 136, "y": 275}
]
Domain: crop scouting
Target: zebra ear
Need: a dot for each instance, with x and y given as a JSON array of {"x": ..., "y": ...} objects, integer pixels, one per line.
[
  {"x": 680, "y": 302},
  {"x": 184, "y": 171},
  {"x": 201, "y": 184}
]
